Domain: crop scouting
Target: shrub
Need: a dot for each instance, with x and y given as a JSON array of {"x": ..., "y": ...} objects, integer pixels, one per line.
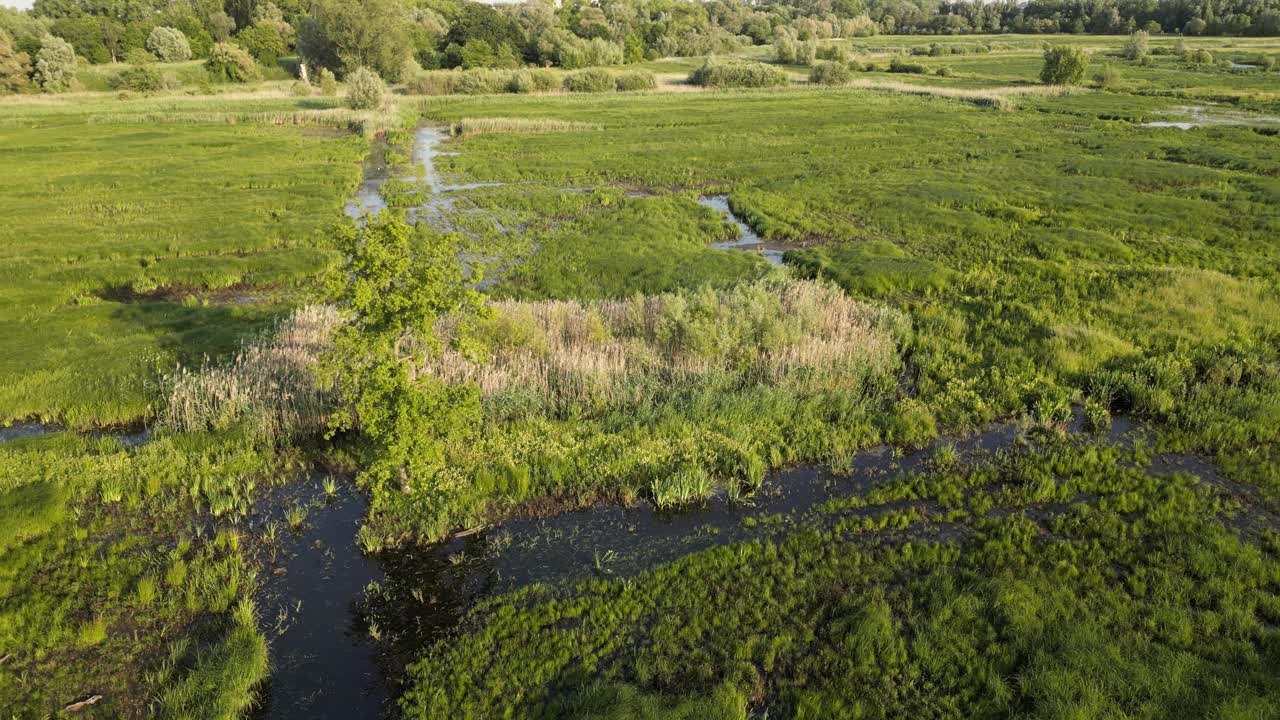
[
  {"x": 636, "y": 80},
  {"x": 737, "y": 73},
  {"x": 590, "y": 80},
  {"x": 944, "y": 71},
  {"x": 300, "y": 88},
  {"x": 829, "y": 73},
  {"x": 521, "y": 82},
  {"x": 1063, "y": 65},
  {"x": 15, "y": 67},
  {"x": 482, "y": 81},
  {"x": 835, "y": 53},
  {"x": 544, "y": 80},
  {"x": 138, "y": 56},
  {"x": 1107, "y": 78},
  {"x": 231, "y": 63},
  {"x": 139, "y": 78},
  {"x": 55, "y": 65},
  {"x": 1138, "y": 46},
  {"x": 806, "y": 52},
  {"x": 434, "y": 82},
  {"x": 169, "y": 44},
  {"x": 1200, "y": 57},
  {"x": 784, "y": 47},
  {"x": 328, "y": 83},
  {"x": 365, "y": 89},
  {"x": 899, "y": 64}
]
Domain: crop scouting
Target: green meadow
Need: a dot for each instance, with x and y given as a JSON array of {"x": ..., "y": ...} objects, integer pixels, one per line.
[{"x": 967, "y": 253}]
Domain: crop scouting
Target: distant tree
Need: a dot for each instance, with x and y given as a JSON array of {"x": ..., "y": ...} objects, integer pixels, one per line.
[
  {"x": 1152, "y": 27},
  {"x": 263, "y": 41},
  {"x": 55, "y": 67},
  {"x": 1063, "y": 65},
  {"x": 231, "y": 63},
  {"x": 1138, "y": 46},
  {"x": 343, "y": 35},
  {"x": 198, "y": 38},
  {"x": 169, "y": 44},
  {"x": 1195, "y": 27},
  {"x": 633, "y": 49},
  {"x": 365, "y": 90},
  {"x": 15, "y": 67},
  {"x": 477, "y": 53},
  {"x": 221, "y": 25}
]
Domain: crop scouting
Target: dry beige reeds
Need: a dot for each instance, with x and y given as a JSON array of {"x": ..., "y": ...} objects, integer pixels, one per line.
[
  {"x": 270, "y": 383},
  {"x": 802, "y": 333},
  {"x": 476, "y": 126}
]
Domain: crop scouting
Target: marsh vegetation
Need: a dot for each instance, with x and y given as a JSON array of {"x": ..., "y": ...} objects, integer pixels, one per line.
[{"x": 755, "y": 364}]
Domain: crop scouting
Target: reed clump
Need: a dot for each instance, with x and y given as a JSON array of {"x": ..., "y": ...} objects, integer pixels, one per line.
[
  {"x": 269, "y": 385},
  {"x": 477, "y": 126},
  {"x": 571, "y": 356}
]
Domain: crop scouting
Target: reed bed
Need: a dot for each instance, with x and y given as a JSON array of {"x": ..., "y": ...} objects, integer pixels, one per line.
[
  {"x": 477, "y": 126},
  {"x": 270, "y": 384},
  {"x": 573, "y": 356},
  {"x": 998, "y": 97},
  {"x": 360, "y": 121}
]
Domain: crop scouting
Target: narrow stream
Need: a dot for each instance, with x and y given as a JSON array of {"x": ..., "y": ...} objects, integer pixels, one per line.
[
  {"x": 351, "y": 623},
  {"x": 748, "y": 239}
]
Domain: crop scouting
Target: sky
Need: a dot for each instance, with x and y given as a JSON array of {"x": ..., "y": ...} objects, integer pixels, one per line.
[{"x": 21, "y": 4}]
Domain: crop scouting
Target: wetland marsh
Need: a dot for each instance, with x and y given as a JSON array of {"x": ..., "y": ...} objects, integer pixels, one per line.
[{"x": 929, "y": 394}]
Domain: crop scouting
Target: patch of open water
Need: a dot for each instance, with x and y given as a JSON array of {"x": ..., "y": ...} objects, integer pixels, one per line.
[{"x": 1196, "y": 116}]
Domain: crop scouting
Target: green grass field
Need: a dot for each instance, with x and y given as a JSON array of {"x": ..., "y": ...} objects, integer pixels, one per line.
[
  {"x": 962, "y": 252},
  {"x": 101, "y": 210}
]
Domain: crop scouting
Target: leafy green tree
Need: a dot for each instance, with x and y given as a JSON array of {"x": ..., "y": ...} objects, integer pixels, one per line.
[
  {"x": 1194, "y": 27},
  {"x": 477, "y": 54},
  {"x": 15, "y": 67},
  {"x": 1063, "y": 65},
  {"x": 343, "y": 35},
  {"x": 221, "y": 25},
  {"x": 392, "y": 291},
  {"x": 169, "y": 44},
  {"x": 264, "y": 42},
  {"x": 55, "y": 65}
]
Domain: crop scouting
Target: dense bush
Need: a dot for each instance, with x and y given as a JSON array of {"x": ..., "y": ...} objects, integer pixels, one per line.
[
  {"x": 230, "y": 63},
  {"x": 55, "y": 65},
  {"x": 264, "y": 42},
  {"x": 1107, "y": 78},
  {"x": 716, "y": 72},
  {"x": 829, "y": 73},
  {"x": 833, "y": 52},
  {"x": 1063, "y": 65},
  {"x": 636, "y": 80},
  {"x": 899, "y": 64},
  {"x": 365, "y": 90},
  {"x": 590, "y": 80},
  {"x": 300, "y": 88},
  {"x": 328, "y": 83},
  {"x": 141, "y": 78},
  {"x": 595, "y": 52},
  {"x": 169, "y": 44}
]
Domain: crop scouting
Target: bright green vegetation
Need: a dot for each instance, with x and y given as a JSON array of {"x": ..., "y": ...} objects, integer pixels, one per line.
[
  {"x": 125, "y": 206},
  {"x": 119, "y": 565},
  {"x": 960, "y": 249},
  {"x": 1127, "y": 595}
]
